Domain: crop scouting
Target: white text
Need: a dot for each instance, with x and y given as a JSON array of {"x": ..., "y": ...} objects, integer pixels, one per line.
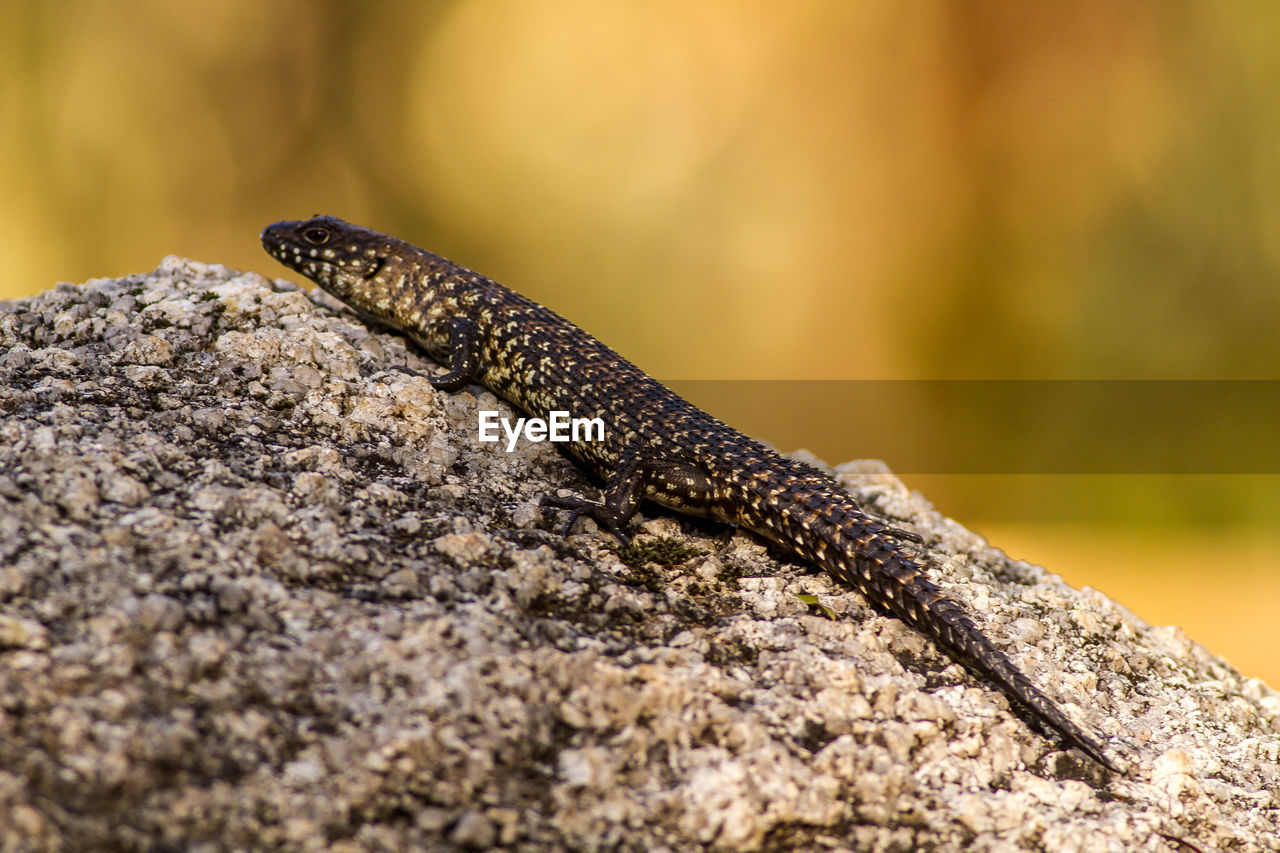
[{"x": 558, "y": 427}]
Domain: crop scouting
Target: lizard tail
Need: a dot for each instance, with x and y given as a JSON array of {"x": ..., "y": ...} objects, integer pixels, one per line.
[{"x": 892, "y": 581}]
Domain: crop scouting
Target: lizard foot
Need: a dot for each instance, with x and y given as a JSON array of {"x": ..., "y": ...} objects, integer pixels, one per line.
[{"x": 594, "y": 510}]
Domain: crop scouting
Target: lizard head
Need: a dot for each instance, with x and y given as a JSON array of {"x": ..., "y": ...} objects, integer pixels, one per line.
[{"x": 336, "y": 255}]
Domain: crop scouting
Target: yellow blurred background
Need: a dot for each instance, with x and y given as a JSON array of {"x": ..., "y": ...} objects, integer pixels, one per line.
[{"x": 734, "y": 189}]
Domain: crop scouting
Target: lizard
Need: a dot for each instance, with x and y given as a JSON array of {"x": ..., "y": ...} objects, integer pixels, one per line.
[{"x": 656, "y": 446}]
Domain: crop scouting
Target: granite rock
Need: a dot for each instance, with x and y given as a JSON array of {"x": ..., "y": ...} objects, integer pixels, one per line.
[{"x": 259, "y": 589}]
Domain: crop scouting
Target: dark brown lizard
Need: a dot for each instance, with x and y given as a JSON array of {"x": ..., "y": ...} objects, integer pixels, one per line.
[{"x": 656, "y": 446}]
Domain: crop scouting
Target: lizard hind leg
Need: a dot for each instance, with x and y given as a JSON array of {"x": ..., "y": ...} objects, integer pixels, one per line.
[
  {"x": 598, "y": 511},
  {"x": 622, "y": 496},
  {"x": 679, "y": 486}
]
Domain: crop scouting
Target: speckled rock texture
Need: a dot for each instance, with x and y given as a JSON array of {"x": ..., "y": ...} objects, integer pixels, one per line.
[{"x": 260, "y": 590}]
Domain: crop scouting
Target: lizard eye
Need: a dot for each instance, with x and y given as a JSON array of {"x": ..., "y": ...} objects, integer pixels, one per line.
[{"x": 316, "y": 235}]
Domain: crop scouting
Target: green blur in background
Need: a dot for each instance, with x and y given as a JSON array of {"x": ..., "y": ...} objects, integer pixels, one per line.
[{"x": 733, "y": 190}]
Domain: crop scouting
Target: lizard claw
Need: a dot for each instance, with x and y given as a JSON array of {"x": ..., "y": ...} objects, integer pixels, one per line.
[
  {"x": 401, "y": 368},
  {"x": 568, "y": 525},
  {"x": 905, "y": 535}
]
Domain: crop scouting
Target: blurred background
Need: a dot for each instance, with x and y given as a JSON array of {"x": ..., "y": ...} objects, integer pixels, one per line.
[{"x": 743, "y": 197}]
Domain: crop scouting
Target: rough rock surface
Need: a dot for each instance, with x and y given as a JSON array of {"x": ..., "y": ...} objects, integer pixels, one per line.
[{"x": 258, "y": 590}]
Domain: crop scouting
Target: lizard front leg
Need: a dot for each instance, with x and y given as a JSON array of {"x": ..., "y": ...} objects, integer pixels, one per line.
[{"x": 464, "y": 355}]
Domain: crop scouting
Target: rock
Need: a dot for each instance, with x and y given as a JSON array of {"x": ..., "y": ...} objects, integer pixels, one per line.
[{"x": 262, "y": 591}]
